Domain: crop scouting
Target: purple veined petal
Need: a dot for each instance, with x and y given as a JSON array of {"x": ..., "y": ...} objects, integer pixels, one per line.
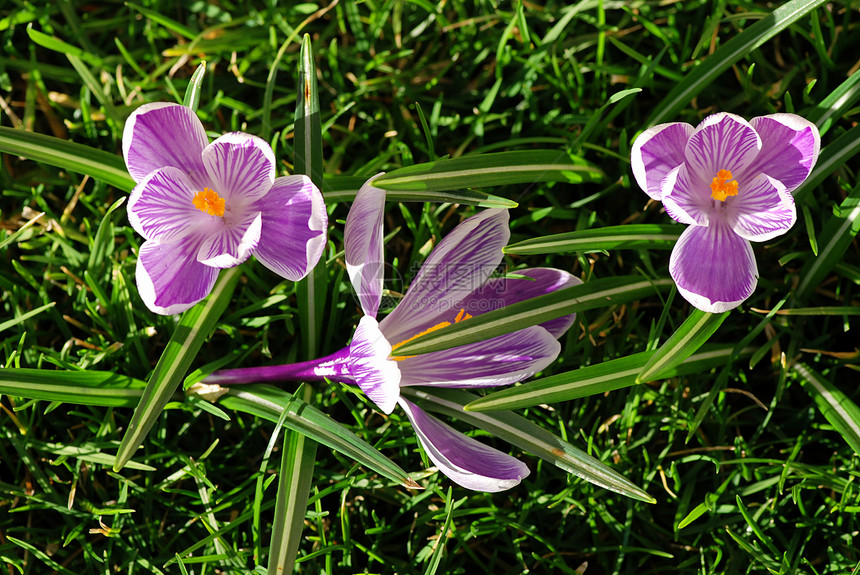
[
  {"x": 294, "y": 224},
  {"x": 241, "y": 167},
  {"x": 721, "y": 142},
  {"x": 789, "y": 150},
  {"x": 369, "y": 363},
  {"x": 501, "y": 360},
  {"x": 762, "y": 210},
  {"x": 362, "y": 242},
  {"x": 233, "y": 242},
  {"x": 163, "y": 134},
  {"x": 497, "y": 293},
  {"x": 656, "y": 152},
  {"x": 169, "y": 278},
  {"x": 685, "y": 201},
  {"x": 161, "y": 208},
  {"x": 458, "y": 265},
  {"x": 466, "y": 461},
  {"x": 713, "y": 267}
]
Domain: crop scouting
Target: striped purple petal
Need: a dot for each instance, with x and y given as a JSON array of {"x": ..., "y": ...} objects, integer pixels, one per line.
[
  {"x": 497, "y": 293},
  {"x": 713, "y": 267},
  {"x": 232, "y": 241},
  {"x": 501, "y": 360},
  {"x": 241, "y": 168},
  {"x": 789, "y": 150},
  {"x": 656, "y": 152},
  {"x": 369, "y": 363},
  {"x": 160, "y": 207},
  {"x": 169, "y": 278},
  {"x": 160, "y": 135},
  {"x": 721, "y": 142},
  {"x": 362, "y": 241},
  {"x": 459, "y": 265},
  {"x": 467, "y": 462},
  {"x": 684, "y": 200},
  {"x": 294, "y": 224},
  {"x": 763, "y": 210}
]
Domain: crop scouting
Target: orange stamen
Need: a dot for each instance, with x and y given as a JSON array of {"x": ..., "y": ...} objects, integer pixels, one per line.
[
  {"x": 209, "y": 202},
  {"x": 460, "y": 317},
  {"x": 723, "y": 186}
]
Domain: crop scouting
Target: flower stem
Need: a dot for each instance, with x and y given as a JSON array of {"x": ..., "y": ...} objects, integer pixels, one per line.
[{"x": 332, "y": 367}]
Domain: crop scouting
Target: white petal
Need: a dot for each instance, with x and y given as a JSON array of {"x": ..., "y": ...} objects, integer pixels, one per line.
[{"x": 371, "y": 367}]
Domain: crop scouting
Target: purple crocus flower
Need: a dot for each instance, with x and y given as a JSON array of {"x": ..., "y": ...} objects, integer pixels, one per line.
[
  {"x": 453, "y": 284},
  {"x": 731, "y": 181},
  {"x": 202, "y": 207}
]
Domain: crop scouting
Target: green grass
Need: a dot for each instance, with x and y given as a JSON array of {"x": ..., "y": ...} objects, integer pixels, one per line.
[{"x": 751, "y": 462}]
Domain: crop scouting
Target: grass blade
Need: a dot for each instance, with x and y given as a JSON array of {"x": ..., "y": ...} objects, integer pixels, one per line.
[
  {"x": 692, "y": 334},
  {"x": 193, "y": 328},
  {"x": 104, "y": 239},
  {"x": 311, "y": 290},
  {"x": 832, "y": 157},
  {"x": 95, "y": 88},
  {"x": 343, "y": 189},
  {"x": 590, "y": 295},
  {"x": 168, "y": 23},
  {"x": 657, "y": 236},
  {"x": 13, "y": 237},
  {"x": 816, "y": 311},
  {"x": 706, "y": 73},
  {"x": 192, "y": 92},
  {"x": 842, "y": 413},
  {"x": 833, "y": 242},
  {"x": 436, "y": 557},
  {"x": 270, "y": 402},
  {"x": 25, "y": 316},
  {"x": 836, "y": 103},
  {"x": 61, "y": 46},
  {"x": 294, "y": 484},
  {"x": 530, "y": 437},
  {"x": 80, "y": 387},
  {"x": 70, "y": 156},
  {"x": 596, "y": 379},
  {"x": 493, "y": 169}
]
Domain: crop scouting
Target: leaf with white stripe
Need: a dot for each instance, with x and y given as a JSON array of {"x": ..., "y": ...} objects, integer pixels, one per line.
[
  {"x": 604, "y": 377},
  {"x": 832, "y": 157},
  {"x": 692, "y": 334},
  {"x": 193, "y": 329},
  {"x": 593, "y": 294},
  {"x": 495, "y": 169},
  {"x": 833, "y": 242},
  {"x": 343, "y": 189},
  {"x": 842, "y": 413},
  {"x": 656, "y": 236},
  {"x": 522, "y": 433},
  {"x": 70, "y": 156},
  {"x": 270, "y": 403},
  {"x": 706, "y": 73}
]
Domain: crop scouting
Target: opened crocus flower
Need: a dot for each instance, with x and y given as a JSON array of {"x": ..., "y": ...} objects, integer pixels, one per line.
[
  {"x": 453, "y": 284},
  {"x": 731, "y": 181},
  {"x": 202, "y": 207}
]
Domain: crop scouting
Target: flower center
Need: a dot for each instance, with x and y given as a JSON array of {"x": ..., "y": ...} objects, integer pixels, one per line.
[
  {"x": 723, "y": 186},
  {"x": 460, "y": 317},
  {"x": 209, "y": 202}
]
